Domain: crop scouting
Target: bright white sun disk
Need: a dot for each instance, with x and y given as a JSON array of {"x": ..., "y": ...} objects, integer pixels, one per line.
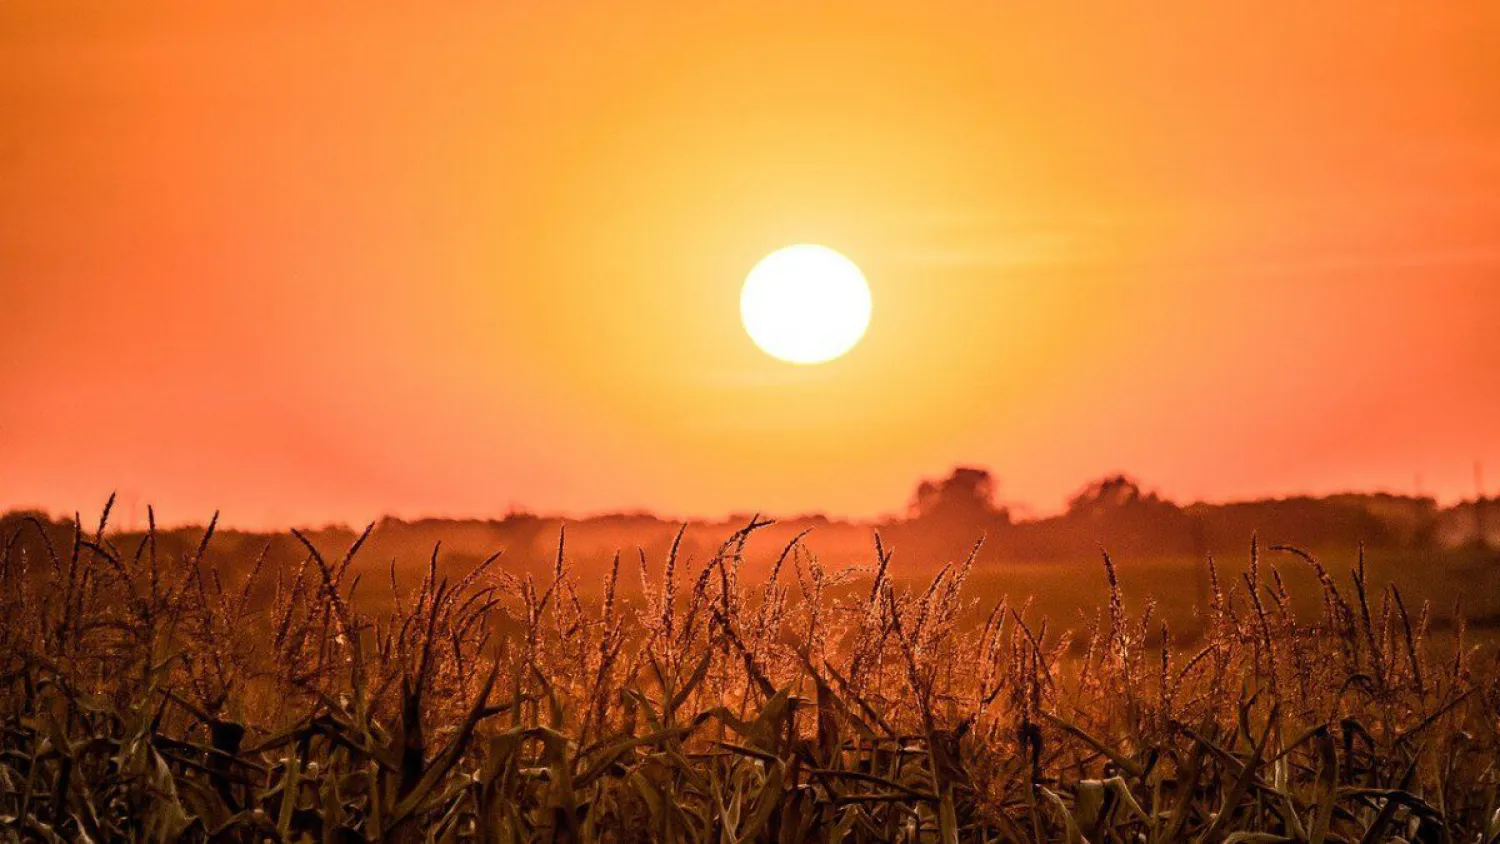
[{"x": 805, "y": 304}]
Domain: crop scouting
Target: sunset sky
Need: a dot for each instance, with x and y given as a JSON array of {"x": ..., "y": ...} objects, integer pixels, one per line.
[{"x": 306, "y": 262}]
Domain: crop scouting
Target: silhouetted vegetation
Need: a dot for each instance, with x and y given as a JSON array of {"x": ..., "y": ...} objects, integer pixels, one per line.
[{"x": 204, "y": 692}]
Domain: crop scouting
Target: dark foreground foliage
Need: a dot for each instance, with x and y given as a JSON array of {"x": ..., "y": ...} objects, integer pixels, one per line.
[{"x": 144, "y": 698}]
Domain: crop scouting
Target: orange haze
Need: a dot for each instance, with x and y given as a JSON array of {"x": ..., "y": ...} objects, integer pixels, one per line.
[{"x": 310, "y": 261}]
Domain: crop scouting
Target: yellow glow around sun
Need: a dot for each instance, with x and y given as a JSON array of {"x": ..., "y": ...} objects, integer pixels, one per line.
[{"x": 805, "y": 304}]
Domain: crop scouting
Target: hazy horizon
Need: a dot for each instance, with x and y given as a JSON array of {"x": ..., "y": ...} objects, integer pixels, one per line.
[{"x": 129, "y": 511}]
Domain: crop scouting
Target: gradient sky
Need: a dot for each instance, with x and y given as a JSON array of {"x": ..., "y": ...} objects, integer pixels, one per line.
[{"x": 307, "y": 261}]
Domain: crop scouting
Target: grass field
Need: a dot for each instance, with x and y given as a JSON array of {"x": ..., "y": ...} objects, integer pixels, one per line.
[
  {"x": 145, "y": 697},
  {"x": 1455, "y": 581}
]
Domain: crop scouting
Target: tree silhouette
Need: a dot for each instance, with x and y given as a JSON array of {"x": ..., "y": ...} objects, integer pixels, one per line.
[
  {"x": 966, "y": 495},
  {"x": 1112, "y": 493}
]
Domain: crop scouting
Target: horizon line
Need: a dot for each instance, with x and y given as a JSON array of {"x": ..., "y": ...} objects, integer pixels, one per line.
[{"x": 1021, "y": 512}]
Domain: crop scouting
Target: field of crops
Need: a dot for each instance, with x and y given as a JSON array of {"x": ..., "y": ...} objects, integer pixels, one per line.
[{"x": 143, "y": 697}]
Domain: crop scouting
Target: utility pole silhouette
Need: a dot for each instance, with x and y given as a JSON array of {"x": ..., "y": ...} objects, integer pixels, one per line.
[
  {"x": 1481, "y": 533},
  {"x": 1200, "y": 557}
]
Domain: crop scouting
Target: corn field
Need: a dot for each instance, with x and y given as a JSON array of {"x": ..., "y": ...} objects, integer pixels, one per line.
[{"x": 144, "y": 698}]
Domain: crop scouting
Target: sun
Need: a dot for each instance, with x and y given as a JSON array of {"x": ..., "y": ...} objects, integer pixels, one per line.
[{"x": 805, "y": 304}]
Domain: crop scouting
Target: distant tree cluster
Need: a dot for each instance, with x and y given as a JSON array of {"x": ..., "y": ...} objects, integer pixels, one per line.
[
  {"x": 1114, "y": 494},
  {"x": 966, "y": 495}
]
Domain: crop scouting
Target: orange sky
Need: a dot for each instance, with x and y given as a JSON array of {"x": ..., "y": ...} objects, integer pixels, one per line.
[{"x": 307, "y": 261}]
